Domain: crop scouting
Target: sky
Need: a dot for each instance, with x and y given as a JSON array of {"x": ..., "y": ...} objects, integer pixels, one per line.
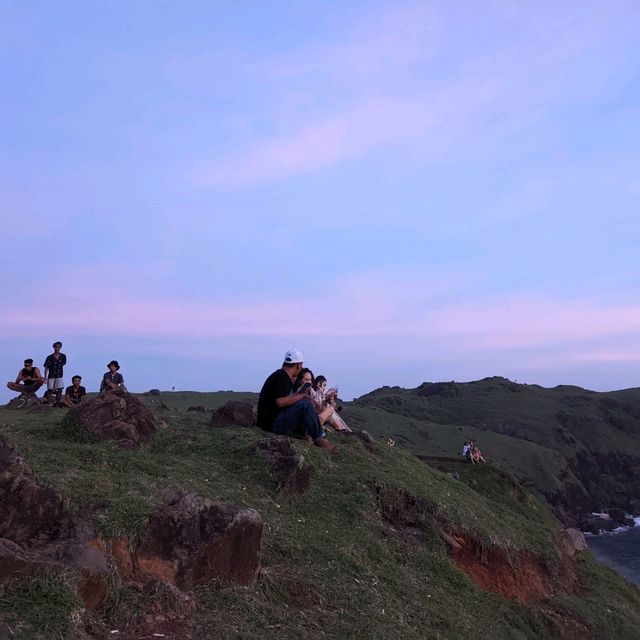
[{"x": 403, "y": 191}]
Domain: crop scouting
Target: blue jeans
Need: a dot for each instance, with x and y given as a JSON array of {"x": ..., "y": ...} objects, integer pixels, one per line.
[{"x": 299, "y": 420}]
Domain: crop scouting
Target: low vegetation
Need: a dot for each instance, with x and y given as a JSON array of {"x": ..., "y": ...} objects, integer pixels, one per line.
[{"x": 362, "y": 554}]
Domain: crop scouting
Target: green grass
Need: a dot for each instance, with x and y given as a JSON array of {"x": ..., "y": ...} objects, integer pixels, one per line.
[
  {"x": 41, "y": 605},
  {"x": 332, "y": 565}
]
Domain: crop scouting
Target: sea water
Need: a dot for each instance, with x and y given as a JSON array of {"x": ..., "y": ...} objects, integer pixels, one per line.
[{"x": 619, "y": 550}]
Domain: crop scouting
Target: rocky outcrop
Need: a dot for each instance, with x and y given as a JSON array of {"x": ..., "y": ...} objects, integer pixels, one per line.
[
  {"x": 25, "y": 401},
  {"x": 191, "y": 540},
  {"x": 234, "y": 413},
  {"x": 38, "y": 532},
  {"x": 117, "y": 416},
  {"x": 289, "y": 469},
  {"x": 574, "y": 541}
]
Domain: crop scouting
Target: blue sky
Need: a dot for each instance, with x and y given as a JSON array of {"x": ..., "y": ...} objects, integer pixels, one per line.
[{"x": 404, "y": 191}]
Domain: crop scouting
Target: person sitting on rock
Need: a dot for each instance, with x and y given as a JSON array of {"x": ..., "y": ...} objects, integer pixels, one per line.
[
  {"x": 53, "y": 372},
  {"x": 74, "y": 394},
  {"x": 324, "y": 400},
  {"x": 28, "y": 380},
  {"x": 112, "y": 380},
  {"x": 282, "y": 411}
]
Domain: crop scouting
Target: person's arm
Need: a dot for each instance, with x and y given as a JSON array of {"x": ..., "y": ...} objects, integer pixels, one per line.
[
  {"x": 46, "y": 368},
  {"x": 19, "y": 377},
  {"x": 37, "y": 377},
  {"x": 287, "y": 401}
]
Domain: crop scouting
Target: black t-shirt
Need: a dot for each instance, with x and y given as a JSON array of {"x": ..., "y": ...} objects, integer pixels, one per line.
[
  {"x": 75, "y": 396},
  {"x": 277, "y": 385}
]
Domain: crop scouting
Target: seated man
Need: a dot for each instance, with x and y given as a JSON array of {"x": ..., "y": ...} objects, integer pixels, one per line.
[
  {"x": 112, "y": 380},
  {"x": 28, "y": 380},
  {"x": 74, "y": 394},
  {"x": 287, "y": 413}
]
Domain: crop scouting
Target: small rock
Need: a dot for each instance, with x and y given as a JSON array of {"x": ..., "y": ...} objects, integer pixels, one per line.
[
  {"x": 574, "y": 541},
  {"x": 234, "y": 413},
  {"x": 197, "y": 409}
]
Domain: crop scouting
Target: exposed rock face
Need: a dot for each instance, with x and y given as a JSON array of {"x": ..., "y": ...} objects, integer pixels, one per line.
[
  {"x": 289, "y": 469},
  {"x": 519, "y": 576},
  {"x": 234, "y": 413},
  {"x": 37, "y": 531},
  {"x": 154, "y": 392},
  {"x": 191, "y": 541},
  {"x": 116, "y": 416},
  {"x": 31, "y": 514}
]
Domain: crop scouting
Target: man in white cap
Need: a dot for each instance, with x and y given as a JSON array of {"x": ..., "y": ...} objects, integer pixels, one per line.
[{"x": 287, "y": 413}]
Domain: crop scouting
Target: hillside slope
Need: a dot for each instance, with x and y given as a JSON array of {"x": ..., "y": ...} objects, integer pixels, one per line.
[
  {"x": 579, "y": 449},
  {"x": 381, "y": 545}
]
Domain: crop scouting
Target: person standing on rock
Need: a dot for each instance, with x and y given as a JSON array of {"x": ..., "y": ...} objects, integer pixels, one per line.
[
  {"x": 28, "y": 380},
  {"x": 53, "y": 372},
  {"x": 75, "y": 393},
  {"x": 112, "y": 380},
  {"x": 287, "y": 413}
]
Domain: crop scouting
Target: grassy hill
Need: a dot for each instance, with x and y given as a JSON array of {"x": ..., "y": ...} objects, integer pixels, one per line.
[
  {"x": 381, "y": 545},
  {"x": 577, "y": 448}
]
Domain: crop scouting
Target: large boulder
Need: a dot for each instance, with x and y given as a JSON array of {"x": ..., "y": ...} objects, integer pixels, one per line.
[
  {"x": 234, "y": 413},
  {"x": 289, "y": 469},
  {"x": 191, "y": 541},
  {"x": 117, "y": 416}
]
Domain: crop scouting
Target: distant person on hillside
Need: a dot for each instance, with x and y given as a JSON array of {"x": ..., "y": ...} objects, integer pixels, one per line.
[
  {"x": 74, "y": 394},
  {"x": 324, "y": 400},
  {"x": 53, "y": 372},
  {"x": 475, "y": 455},
  {"x": 282, "y": 411},
  {"x": 466, "y": 450},
  {"x": 28, "y": 380},
  {"x": 112, "y": 380}
]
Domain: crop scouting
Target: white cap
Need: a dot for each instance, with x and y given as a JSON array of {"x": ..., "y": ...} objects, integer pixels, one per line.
[{"x": 293, "y": 357}]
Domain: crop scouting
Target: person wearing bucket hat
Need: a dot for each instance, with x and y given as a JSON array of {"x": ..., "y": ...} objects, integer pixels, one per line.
[
  {"x": 112, "y": 380},
  {"x": 282, "y": 411}
]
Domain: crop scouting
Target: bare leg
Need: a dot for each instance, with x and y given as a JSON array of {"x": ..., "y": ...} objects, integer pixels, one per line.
[
  {"x": 325, "y": 414},
  {"x": 337, "y": 422}
]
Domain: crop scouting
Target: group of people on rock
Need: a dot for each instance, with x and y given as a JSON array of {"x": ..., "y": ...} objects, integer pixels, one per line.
[
  {"x": 471, "y": 453},
  {"x": 29, "y": 380},
  {"x": 293, "y": 402}
]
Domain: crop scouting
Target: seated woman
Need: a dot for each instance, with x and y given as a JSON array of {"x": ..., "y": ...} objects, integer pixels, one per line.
[
  {"x": 112, "y": 380},
  {"x": 323, "y": 399}
]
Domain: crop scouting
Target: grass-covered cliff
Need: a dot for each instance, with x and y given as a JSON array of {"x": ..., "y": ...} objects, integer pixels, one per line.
[
  {"x": 380, "y": 545},
  {"x": 579, "y": 449}
]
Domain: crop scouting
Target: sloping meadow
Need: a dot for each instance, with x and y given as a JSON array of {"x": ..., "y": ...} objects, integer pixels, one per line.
[{"x": 380, "y": 545}]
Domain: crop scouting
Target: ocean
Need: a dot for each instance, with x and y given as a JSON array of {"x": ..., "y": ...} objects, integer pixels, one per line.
[{"x": 619, "y": 550}]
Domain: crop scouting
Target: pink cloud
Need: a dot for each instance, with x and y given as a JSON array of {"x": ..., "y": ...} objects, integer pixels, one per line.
[{"x": 385, "y": 306}]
